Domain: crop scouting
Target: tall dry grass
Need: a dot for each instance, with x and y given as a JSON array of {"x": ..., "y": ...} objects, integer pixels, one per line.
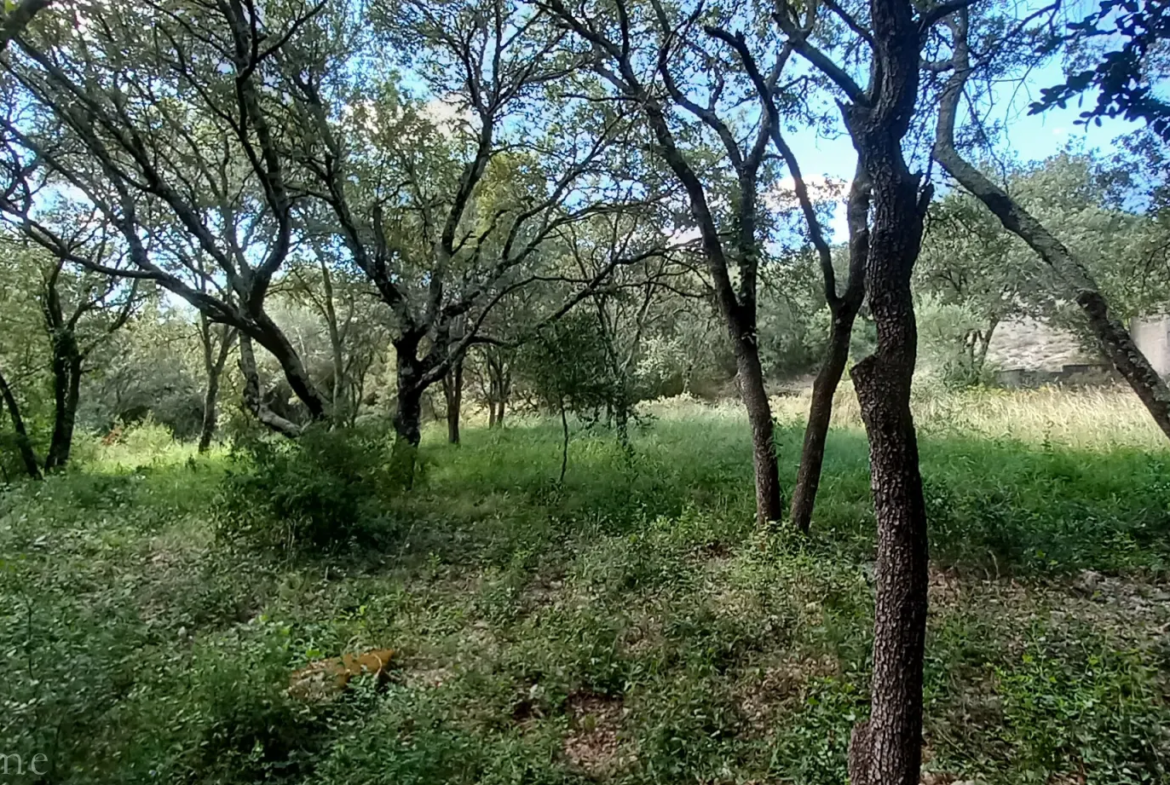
[{"x": 1093, "y": 418}]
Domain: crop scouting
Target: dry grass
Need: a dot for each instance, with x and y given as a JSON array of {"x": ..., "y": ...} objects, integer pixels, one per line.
[{"x": 1096, "y": 418}]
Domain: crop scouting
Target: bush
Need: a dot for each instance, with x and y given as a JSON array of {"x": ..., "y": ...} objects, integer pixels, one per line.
[{"x": 314, "y": 492}]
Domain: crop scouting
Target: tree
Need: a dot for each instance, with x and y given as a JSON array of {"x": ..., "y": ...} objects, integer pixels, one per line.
[
  {"x": 1073, "y": 276},
  {"x": 449, "y": 218},
  {"x": 23, "y": 443},
  {"x": 567, "y": 367},
  {"x": 843, "y": 309},
  {"x": 887, "y": 748},
  {"x": 216, "y": 345},
  {"x": 970, "y": 266},
  {"x": 1123, "y": 78},
  {"x": 654, "y": 58},
  {"x": 17, "y": 16},
  {"x": 158, "y": 117},
  {"x": 78, "y": 312},
  {"x": 343, "y": 300}
]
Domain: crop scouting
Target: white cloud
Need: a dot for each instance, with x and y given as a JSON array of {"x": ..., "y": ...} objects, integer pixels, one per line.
[{"x": 448, "y": 115}]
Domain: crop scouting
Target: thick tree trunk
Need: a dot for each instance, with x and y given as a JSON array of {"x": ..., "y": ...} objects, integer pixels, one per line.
[
  {"x": 23, "y": 444},
  {"x": 408, "y": 411},
  {"x": 887, "y": 749},
  {"x": 1115, "y": 341},
  {"x": 769, "y": 499},
  {"x": 268, "y": 335},
  {"x": 407, "y": 415},
  {"x": 453, "y": 395},
  {"x": 253, "y": 396},
  {"x": 66, "y": 392}
]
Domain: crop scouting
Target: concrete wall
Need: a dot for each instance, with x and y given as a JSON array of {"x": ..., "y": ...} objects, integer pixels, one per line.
[{"x": 1152, "y": 336}]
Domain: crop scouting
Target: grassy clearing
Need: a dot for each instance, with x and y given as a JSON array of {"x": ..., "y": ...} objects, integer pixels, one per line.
[{"x": 628, "y": 627}]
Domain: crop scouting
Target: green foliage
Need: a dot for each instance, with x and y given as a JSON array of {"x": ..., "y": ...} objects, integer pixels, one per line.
[
  {"x": 952, "y": 342},
  {"x": 568, "y": 366},
  {"x": 632, "y": 628},
  {"x": 1052, "y": 708},
  {"x": 320, "y": 490}
]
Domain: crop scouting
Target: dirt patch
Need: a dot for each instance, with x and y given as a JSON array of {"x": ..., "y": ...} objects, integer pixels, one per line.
[
  {"x": 779, "y": 687},
  {"x": 594, "y": 743}
]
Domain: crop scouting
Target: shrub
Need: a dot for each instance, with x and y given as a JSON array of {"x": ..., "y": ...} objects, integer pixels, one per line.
[{"x": 313, "y": 492}]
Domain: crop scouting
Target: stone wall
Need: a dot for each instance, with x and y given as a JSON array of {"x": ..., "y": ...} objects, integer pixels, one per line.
[{"x": 1152, "y": 336}]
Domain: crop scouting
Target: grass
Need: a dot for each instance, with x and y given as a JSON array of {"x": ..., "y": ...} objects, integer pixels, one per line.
[{"x": 630, "y": 626}]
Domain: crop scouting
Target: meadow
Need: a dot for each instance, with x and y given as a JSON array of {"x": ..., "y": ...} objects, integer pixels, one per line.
[{"x": 630, "y": 625}]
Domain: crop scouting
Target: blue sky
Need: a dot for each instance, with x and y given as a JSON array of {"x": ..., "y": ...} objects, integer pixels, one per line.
[{"x": 1027, "y": 137}]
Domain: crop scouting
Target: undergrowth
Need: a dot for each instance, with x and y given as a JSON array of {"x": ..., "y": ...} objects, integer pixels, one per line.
[{"x": 628, "y": 625}]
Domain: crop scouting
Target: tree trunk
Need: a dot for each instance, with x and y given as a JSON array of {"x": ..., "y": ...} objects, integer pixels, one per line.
[
  {"x": 820, "y": 413},
  {"x": 889, "y": 746},
  {"x": 253, "y": 396},
  {"x": 453, "y": 395},
  {"x": 210, "y": 400},
  {"x": 498, "y": 384},
  {"x": 23, "y": 444},
  {"x": 66, "y": 392},
  {"x": 1115, "y": 341},
  {"x": 268, "y": 335},
  {"x": 564, "y": 444},
  {"x": 844, "y": 310},
  {"x": 407, "y": 415},
  {"x": 213, "y": 365},
  {"x": 505, "y": 393},
  {"x": 769, "y": 500},
  {"x": 887, "y": 749}
]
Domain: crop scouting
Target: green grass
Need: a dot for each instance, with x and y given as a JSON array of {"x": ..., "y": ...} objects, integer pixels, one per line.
[{"x": 630, "y": 626}]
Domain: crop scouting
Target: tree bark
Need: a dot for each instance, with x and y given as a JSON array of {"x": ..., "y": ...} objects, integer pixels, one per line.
[
  {"x": 272, "y": 338},
  {"x": 18, "y": 17},
  {"x": 889, "y": 746},
  {"x": 23, "y": 444},
  {"x": 820, "y": 414},
  {"x": 407, "y": 427},
  {"x": 213, "y": 365},
  {"x": 66, "y": 392},
  {"x": 408, "y": 416},
  {"x": 253, "y": 396},
  {"x": 844, "y": 311},
  {"x": 564, "y": 444},
  {"x": 453, "y": 395},
  {"x": 209, "y": 423},
  {"x": 499, "y": 384},
  {"x": 887, "y": 749},
  {"x": 769, "y": 499},
  {"x": 1116, "y": 343}
]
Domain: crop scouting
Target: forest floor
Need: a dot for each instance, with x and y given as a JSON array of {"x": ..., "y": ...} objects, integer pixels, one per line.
[{"x": 630, "y": 626}]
